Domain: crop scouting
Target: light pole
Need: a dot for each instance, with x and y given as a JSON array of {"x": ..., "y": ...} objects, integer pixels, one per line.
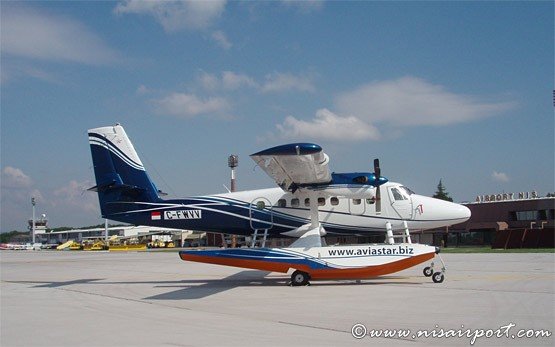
[
  {"x": 33, "y": 202},
  {"x": 233, "y": 162}
]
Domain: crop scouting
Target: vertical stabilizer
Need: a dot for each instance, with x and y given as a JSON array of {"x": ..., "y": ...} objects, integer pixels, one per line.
[{"x": 119, "y": 173}]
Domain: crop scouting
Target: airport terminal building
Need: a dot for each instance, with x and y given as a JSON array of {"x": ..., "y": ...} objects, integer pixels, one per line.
[
  {"x": 139, "y": 233},
  {"x": 522, "y": 220}
]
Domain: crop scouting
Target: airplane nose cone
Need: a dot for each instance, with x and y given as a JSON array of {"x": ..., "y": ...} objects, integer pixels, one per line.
[
  {"x": 456, "y": 212},
  {"x": 459, "y": 213},
  {"x": 440, "y": 211},
  {"x": 464, "y": 213}
]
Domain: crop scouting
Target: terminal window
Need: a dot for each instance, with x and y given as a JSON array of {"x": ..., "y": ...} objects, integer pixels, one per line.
[{"x": 526, "y": 215}]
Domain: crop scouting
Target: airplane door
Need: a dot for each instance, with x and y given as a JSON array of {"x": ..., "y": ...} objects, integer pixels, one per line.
[
  {"x": 357, "y": 206},
  {"x": 261, "y": 214},
  {"x": 401, "y": 202}
]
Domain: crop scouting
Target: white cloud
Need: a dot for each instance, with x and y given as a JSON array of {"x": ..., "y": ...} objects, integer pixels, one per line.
[
  {"x": 411, "y": 101},
  {"x": 15, "y": 178},
  {"x": 396, "y": 104},
  {"x": 16, "y": 190},
  {"x": 304, "y": 6},
  {"x": 30, "y": 33},
  {"x": 273, "y": 83},
  {"x": 327, "y": 125},
  {"x": 189, "y": 105},
  {"x": 209, "y": 81},
  {"x": 69, "y": 202},
  {"x": 142, "y": 90},
  {"x": 176, "y": 15},
  {"x": 221, "y": 39},
  {"x": 74, "y": 195},
  {"x": 278, "y": 82},
  {"x": 232, "y": 80},
  {"x": 500, "y": 177},
  {"x": 14, "y": 71},
  {"x": 229, "y": 80}
]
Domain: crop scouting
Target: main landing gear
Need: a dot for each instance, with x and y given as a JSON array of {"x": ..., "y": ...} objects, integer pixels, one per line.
[
  {"x": 439, "y": 276},
  {"x": 300, "y": 278}
]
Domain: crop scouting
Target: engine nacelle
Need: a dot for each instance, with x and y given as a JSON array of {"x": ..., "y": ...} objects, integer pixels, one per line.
[{"x": 353, "y": 185}]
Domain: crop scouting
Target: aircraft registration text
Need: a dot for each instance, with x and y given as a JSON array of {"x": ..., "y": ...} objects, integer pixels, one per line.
[{"x": 183, "y": 214}]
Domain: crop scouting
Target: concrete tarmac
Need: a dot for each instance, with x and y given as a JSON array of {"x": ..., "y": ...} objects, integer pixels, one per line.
[{"x": 52, "y": 298}]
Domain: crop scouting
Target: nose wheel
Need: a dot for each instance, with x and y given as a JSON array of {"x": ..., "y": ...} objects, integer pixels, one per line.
[{"x": 438, "y": 276}]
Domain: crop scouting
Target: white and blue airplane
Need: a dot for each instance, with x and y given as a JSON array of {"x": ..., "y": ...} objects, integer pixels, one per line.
[{"x": 309, "y": 202}]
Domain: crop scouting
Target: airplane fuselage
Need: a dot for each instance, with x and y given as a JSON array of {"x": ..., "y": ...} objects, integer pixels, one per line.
[{"x": 278, "y": 212}]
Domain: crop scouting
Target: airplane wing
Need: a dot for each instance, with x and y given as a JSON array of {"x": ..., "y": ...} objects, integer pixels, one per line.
[{"x": 295, "y": 164}]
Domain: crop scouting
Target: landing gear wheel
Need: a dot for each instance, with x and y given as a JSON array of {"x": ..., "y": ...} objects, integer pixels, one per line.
[
  {"x": 428, "y": 271},
  {"x": 299, "y": 278},
  {"x": 437, "y": 277}
]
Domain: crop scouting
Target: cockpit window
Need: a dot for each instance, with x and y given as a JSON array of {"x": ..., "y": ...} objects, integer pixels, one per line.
[
  {"x": 407, "y": 190},
  {"x": 397, "y": 194}
]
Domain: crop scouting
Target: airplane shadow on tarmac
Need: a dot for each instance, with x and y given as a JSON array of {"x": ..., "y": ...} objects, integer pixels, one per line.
[
  {"x": 200, "y": 288},
  {"x": 44, "y": 284}
]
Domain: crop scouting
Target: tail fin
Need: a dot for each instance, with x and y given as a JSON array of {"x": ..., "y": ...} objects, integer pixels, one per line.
[{"x": 120, "y": 174}]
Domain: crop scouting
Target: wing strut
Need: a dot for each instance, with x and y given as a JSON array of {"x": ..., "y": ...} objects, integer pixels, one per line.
[{"x": 310, "y": 235}]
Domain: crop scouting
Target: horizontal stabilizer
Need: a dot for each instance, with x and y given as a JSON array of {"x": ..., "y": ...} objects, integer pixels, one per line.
[{"x": 115, "y": 186}]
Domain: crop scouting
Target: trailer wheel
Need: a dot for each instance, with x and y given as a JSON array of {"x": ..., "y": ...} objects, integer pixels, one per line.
[
  {"x": 428, "y": 271},
  {"x": 299, "y": 278}
]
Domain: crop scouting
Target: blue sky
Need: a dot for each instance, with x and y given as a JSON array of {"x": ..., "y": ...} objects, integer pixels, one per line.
[{"x": 460, "y": 91}]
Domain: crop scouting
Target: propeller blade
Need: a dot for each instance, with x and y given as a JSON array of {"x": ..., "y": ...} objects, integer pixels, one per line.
[
  {"x": 378, "y": 173},
  {"x": 378, "y": 200}
]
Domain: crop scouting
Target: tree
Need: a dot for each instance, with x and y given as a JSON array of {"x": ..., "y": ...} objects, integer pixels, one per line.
[
  {"x": 7, "y": 237},
  {"x": 441, "y": 193}
]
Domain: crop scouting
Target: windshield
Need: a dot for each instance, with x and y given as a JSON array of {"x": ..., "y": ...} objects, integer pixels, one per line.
[
  {"x": 407, "y": 190},
  {"x": 397, "y": 195}
]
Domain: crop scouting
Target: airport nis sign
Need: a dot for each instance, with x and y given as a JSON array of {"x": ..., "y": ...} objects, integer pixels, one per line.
[{"x": 507, "y": 196}]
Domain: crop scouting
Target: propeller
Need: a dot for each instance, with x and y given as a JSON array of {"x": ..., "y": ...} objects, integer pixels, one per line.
[{"x": 378, "y": 174}]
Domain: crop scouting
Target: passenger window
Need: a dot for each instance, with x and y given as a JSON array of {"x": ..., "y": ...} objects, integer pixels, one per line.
[
  {"x": 321, "y": 201},
  {"x": 295, "y": 202},
  {"x": 334, "y": 201},
  {"x": 370, "y": 201},
  {"x": 397, "y": 195},
  {"x": 281, "y": 203},
  {"x": 307, "y": 202},
  {"x": 357, "y": 201}
]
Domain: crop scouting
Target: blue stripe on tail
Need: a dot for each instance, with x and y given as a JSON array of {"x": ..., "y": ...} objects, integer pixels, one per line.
[{"x": 119, "y": 178}]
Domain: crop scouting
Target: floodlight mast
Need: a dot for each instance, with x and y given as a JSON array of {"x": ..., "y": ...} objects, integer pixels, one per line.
[
  {"x": 33, "y": 202},
  {"x": 233, "y": 162}
]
